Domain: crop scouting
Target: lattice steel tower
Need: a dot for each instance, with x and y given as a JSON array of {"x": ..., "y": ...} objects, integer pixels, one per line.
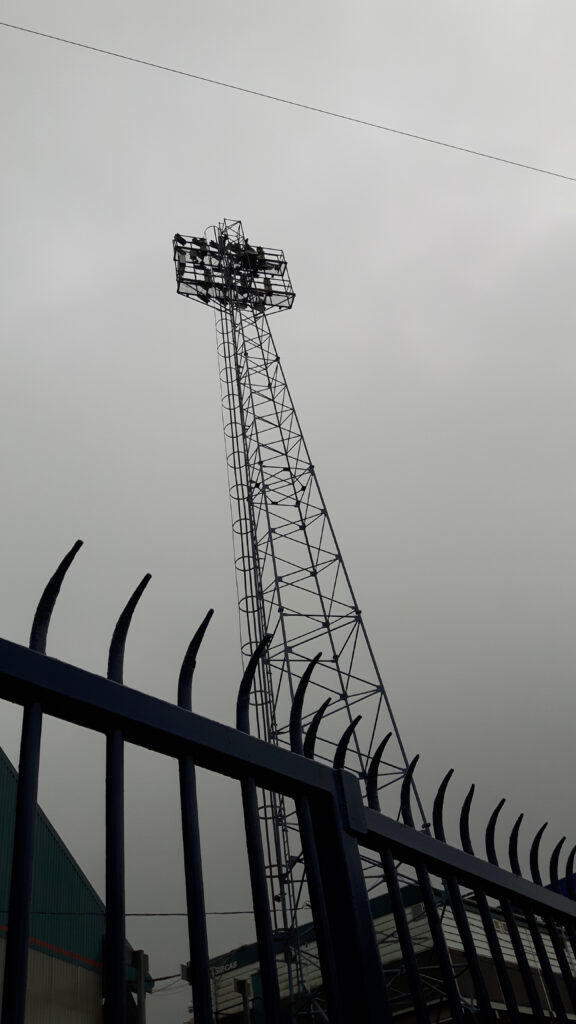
[{"x": 291, "y": 578}]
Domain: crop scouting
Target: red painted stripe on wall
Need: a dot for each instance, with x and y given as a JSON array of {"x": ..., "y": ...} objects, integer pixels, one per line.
[{"x": 57, "y": 949}]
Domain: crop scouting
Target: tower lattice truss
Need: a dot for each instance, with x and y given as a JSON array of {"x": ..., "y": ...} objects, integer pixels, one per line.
[{"x": 291, "y": 578}]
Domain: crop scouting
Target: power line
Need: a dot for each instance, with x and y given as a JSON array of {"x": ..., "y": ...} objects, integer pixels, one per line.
[
  {"x": 143, "y": 913},
  {"x": 294, "y": 103}
]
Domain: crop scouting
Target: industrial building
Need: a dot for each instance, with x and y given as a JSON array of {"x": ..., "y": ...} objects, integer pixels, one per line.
[
  {"x": 65, "y": 975},
  {"x": 235, "y": 977}
]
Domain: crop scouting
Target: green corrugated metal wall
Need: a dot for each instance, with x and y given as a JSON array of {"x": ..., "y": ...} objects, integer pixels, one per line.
[
  {"x": 74, "y": 927},
  {"x": 67, "y": 928}
]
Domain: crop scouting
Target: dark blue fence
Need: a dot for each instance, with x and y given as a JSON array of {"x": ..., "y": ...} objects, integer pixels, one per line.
[{"x": 338, "y": 827}]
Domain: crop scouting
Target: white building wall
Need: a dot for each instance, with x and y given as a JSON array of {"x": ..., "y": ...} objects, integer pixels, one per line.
[
  {"x": 228, "y": 1001},
  {"x": 59, "y": 992}
]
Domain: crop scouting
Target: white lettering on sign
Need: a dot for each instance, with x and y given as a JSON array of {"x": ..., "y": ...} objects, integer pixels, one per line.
[{"x": 219, "y": 969}]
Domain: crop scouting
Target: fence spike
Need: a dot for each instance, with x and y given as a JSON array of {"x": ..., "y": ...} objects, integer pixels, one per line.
[
  {"x": 118, "y": 641},
  {"x": 534, "y": 851},
  {"x": 342, "y": 748},
  {"x": 438, "y": 808},
  {"x": 405, "y": 792},
  {"x": 189, "y": 664},
  {"x": 570, "y": 874},
  {"x": 465, "y": 822},
  {"x": 554, "y": 861},
  {"x": 513, "y": 846},
  {"x": 39, "y": 631},
  {"x": 243, "y": 700},
  {"x": 310, "y": 739},
  {"x": 490, "y": 833},
  {"x": 298, "y": 704},
  {"x": 372, "y": 774}
]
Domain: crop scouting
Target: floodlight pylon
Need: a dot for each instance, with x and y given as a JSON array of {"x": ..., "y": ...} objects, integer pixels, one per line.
[{"x": 291, "y": 578}]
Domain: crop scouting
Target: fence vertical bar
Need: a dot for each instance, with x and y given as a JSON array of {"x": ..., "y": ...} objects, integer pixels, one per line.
[
  {"x": 260, "y": 899},
  {"x": 16, "y": 962},
  {"x": 115, "y": 939},
  {"x": 459, "y": 910},
  {"x": 487, "y": 918},
  {"x": 430, "y": 907},
  {"x": 395, "y": 895},
  {"x": 549, "y": 977},
  {"x": 551, "y": 985},
  {"x": 570, "y": 891},
  {"x": 522, "y": 959},
  {"x": 561, "y": 957},
  {"x": 195, "y": 906},
  {"x": 310, "y": 854},
  {"x": 568, "y": 926},
  {"x": 256, "y": 862},
  {"x": 508, "y": 913},
  {"x": 18, "y": 937},
  {"x": 115, "y": 945},
  {"x": 547, "y": 972},
  {"x": 549, "y": 921},
  {"x": 497, "y": 955}
]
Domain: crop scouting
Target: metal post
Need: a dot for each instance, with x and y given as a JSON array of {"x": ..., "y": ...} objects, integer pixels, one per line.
[
  {"x": 140, "y": 962},
  {"x": 362, "y": 985},
  {"x": 242, "y": 986}
]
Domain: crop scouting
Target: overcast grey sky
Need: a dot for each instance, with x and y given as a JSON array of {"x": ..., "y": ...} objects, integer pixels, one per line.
[{"x": 430, "y": 353}]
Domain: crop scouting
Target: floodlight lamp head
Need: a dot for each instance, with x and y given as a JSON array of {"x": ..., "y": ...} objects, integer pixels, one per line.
[{"x": 226, "y": 271}]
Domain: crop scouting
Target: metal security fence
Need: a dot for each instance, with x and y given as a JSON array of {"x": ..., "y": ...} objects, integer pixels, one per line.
[{"x": 498, "y": 946}]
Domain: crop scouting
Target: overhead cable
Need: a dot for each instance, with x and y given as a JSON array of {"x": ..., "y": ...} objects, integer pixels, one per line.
[
  {"x": 141, "y": 913},
  {"x": 293, "y": 103}
]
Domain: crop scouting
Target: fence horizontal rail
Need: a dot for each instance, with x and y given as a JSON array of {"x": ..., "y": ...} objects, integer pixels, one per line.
[
  {"x": 415, "y": 847},
  {"x": 84, "y": 698},
  {"x": 94, "y": 702}
]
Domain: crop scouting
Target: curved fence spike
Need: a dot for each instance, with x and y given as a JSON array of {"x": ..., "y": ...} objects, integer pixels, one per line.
[
  {"x": 554, "y": 861},
  {"x": 405, "y": 792},
  {"x": 310, "y": 739},
  {"x": 534, "y": 851},
  {"x": 118, "y": 641},
  {"x": 243, "y": 700},
  {"x": 372, "y": 774},
  {"x": 570, "y": 885},
  {"x": 465, "y": 822},
  {"x": 342, "y": 748},
  {"x": 490, "y": 833},
  {"x": 39, "y": 631},
  {"x": 189, "y": 664},
  {"x": 438, "y": 808},
  {"x": 297, "y": 706},
  {"x": 513, "y": 846}
]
